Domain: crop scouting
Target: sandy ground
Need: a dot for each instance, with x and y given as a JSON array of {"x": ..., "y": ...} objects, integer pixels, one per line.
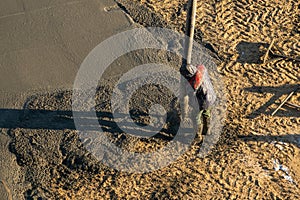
[
  {"x": 258, "y": 156},
  {"x": 239, "y": 31}
]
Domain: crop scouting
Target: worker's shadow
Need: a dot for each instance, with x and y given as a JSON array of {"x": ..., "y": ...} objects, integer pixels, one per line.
[
  {"x": 250, "y": 52},
  {"x": 288, "y": 111}
]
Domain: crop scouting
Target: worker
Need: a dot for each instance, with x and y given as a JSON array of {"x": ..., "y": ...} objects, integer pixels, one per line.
[{"x": 199, "y": 80}]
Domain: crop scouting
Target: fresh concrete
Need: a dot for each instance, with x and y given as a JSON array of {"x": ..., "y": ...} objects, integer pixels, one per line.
[{"x": 43, "y": 43}]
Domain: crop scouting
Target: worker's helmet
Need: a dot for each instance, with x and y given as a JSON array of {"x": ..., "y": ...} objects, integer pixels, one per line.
[{"x": 197, "y": 78}]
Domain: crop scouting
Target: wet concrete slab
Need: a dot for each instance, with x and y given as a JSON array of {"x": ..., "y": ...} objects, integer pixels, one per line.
[
  {"x": 43, "y": 43},
  {"x": 43, "y": 46}
]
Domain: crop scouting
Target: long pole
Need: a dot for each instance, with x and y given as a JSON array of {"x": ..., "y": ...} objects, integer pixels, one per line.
[
  {"x": 188, "y": 47},
  {"x": 190, "y": 30}
]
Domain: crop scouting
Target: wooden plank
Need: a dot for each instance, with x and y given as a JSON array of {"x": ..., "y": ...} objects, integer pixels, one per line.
[
  {"x": 284, "y": 101},
  {"x": 268, "y": 50}
]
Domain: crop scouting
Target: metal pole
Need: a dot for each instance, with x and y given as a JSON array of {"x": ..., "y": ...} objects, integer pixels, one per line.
[
  {"x": 188, "y": 48},
  {"x": 190, "y": 30}
]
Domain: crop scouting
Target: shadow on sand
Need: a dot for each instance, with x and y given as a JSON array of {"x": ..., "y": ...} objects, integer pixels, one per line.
[
  {"x": 278, "y": 92},
  {"x": 292, "y": 138},
  {"x": 250, "y": 52}
]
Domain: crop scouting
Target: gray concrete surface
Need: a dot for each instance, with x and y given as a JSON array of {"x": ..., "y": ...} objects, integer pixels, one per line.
[{"x": 43, "y": 43}]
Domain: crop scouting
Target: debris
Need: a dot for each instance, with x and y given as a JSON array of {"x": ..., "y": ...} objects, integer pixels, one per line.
[
  {"x": 284, "y": 169},
  {"x": 267, "y": 53},
  {"x": 284, "y": 101},
  {"x": 276, "y": 55}
]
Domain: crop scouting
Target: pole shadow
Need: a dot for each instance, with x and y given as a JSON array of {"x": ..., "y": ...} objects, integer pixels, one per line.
[
  {"x": 34, "y": 115},
  {"x": 61, "y": 120}
]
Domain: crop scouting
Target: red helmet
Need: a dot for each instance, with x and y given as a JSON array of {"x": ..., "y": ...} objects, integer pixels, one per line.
[{"x": 197, "y": 79}]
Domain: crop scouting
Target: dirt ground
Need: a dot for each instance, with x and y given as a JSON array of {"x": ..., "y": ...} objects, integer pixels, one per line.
[{"x": 258, "y": 155}]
